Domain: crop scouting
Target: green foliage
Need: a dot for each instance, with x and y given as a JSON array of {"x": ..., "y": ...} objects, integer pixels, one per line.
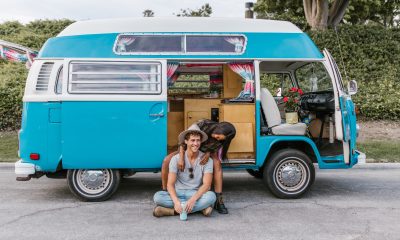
[
  {"x": 8, "y": 146},
  {"x": 380, "y": 151},
  {"x": 370, "y": 55},
  {"x": 375, "y": 12},
  {"x": 203, "y": 11},
  {"x": 33, "y": 34},
  {"x": 12, "y": 83}
]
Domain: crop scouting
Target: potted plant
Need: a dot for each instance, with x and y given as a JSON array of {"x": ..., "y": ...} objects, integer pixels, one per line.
[{"x": 292, "y": 105}]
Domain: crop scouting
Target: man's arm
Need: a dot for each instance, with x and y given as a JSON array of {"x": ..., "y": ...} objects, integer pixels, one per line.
[
  {"x": 172, "y": 192},
  {"x": 207, "y": 180}
]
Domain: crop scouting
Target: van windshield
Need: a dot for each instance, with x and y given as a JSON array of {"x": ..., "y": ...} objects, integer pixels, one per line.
[{"x": 313, "y": 77}]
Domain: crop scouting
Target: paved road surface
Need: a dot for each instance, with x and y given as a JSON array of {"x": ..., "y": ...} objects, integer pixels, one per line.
[{"x": 360, "y": 203}]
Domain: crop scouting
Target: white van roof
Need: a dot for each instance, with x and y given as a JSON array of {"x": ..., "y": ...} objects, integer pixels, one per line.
[{"x": 178, "y": 24}]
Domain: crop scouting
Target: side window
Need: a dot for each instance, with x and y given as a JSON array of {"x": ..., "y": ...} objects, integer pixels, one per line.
[
  {"x": 115, "y": 77},
  {"x": 313, "y": 77},
  {"x": 59, "y": 81},
  {"x": 277, "y": 83}
]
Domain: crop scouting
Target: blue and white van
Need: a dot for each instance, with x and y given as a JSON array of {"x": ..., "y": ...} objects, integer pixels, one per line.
[{"x": 108, "y": 98}]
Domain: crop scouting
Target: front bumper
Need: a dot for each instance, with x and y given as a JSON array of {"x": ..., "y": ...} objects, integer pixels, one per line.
[
  {"x": 361, "y": 157},
  {"x": 24, "y": 171}
]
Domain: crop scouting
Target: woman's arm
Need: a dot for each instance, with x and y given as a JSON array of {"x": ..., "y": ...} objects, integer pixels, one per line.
[{"x": 181, "y": 161}]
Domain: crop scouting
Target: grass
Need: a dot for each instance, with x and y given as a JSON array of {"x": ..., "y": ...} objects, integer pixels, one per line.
[
  {"x": 8, "y": 146},
  {"x": 381, "y": 151},
  {"x": 376, "y": 151}
]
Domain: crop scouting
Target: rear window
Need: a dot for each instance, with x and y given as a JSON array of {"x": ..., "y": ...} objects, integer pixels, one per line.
[
  {"x": 115, "y": 77},
  {"x": 180, "y": 44}
]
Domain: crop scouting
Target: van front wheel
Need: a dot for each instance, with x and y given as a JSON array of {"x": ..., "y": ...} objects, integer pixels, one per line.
[
  {"x": 93, "y": 185},
  {"x": 289, "y": 173}
]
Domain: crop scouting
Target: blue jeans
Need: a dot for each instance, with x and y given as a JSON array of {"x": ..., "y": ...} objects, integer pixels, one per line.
[{"x": 162, "y": 198}]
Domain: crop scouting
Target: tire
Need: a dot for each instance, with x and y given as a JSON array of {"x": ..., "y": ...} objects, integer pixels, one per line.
[
  {"x": 289, "y": 173},
  {"x": 255, "y": 173},
  {"x": 93, "y": 185}
]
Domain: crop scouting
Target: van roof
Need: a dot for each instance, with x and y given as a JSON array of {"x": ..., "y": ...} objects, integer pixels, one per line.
[{"x": 178, "y": 24}]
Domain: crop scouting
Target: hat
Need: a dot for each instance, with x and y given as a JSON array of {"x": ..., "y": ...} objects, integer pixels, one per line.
[{"x": 193, "y": 127}]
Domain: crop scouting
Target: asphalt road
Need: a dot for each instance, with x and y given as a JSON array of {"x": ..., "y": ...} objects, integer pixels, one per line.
[{"x": 359, "y": 203}]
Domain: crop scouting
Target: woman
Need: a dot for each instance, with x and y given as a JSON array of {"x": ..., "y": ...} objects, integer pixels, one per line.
[{"x": 220, "y": 136}]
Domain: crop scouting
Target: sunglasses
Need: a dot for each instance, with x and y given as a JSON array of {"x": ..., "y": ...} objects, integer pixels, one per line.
[{"x": 191, "y": 175}]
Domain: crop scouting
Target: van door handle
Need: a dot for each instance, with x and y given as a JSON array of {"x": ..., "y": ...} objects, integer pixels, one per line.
[{"x": 157, "y": 115}]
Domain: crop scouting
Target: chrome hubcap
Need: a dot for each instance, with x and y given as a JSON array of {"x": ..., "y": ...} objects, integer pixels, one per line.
[
  {"x": 93, "y": 181},
  {"x": 291, "y": 175}
]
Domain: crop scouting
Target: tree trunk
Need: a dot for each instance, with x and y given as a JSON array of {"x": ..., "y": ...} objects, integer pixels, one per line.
[
  {"x": 337, "y": 11},
  {"x": 316, "y": 12},
  {"x": 319, "y": 16}
]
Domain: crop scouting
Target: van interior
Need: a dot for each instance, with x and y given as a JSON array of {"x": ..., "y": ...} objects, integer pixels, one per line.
[{"x": 212, "y": 90}]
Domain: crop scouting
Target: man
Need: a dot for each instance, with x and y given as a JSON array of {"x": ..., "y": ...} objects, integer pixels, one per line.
[{"x": 190, "y": 186}]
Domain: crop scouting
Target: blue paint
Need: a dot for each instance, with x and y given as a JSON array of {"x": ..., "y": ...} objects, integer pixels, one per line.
[
  {"x": 113, "y": 134},
  {"x": 349, "y": 121},
  {"x": 259, "y": 45},
  {"x": 95, "y": 135}
]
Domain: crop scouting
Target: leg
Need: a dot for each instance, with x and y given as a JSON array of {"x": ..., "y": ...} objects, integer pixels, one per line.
[
  {"x": 162, "y": 198},
  {"x": 217, "y": 173},
  {"x": 219, "y": 205},
  {"x": 165, "y": 169},
  {"x": 207, "y": 200}
]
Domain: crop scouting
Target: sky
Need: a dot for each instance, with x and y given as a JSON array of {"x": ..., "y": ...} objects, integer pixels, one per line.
[{"x": 28, "y": 10}]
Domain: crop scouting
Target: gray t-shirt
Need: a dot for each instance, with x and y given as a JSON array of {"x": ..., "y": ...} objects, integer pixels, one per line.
[{"x": 183, "y": 180}]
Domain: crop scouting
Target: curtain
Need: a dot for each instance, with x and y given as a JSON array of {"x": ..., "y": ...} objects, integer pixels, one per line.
[
  {"x": 123, "y": 42},
  {"x": 246, "y": 71},
  {"x": 172, "y": 75},
  {"x": 238, "y": 42}
]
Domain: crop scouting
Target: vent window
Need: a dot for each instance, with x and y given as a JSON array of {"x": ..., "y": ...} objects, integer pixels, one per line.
[{"x": 44, "y": 75}]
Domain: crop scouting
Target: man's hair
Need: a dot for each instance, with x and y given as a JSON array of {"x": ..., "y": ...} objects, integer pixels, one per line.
[{"x": 193, "y": 133}]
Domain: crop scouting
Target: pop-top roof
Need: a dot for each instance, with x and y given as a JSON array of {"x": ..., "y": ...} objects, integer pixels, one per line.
[{"x": 178, "y": 24}]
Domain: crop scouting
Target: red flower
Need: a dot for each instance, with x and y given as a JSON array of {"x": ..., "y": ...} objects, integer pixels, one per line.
[
  {"x": 300, "y": 91},
  {"x": 285, "y": 99},
  {"x": 293, "y": 89}
]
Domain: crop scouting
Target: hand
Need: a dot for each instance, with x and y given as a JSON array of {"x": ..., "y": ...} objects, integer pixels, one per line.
[
  {"x": 181, "y": 165},
  {"x": 189, "y": 205},
  {"x": 205, "y": 158},
  {"x": 178, "y": 207}
]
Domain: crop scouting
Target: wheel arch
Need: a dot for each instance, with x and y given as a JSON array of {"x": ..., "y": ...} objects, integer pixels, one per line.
[{"x": 302, "y": 144}]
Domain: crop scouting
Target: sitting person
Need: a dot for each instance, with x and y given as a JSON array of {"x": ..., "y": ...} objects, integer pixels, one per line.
[
  {"x": 219, "y": 137},
  {"x": 188, "y": 190}
]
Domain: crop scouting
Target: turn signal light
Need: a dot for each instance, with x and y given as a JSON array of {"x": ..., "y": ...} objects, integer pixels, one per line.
[{"x": 34, "y": 156}]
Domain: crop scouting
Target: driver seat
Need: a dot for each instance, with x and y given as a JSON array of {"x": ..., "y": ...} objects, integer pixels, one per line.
[{"x": 273, "y": 117}]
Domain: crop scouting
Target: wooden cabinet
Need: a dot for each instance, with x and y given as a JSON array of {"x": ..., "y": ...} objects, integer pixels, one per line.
[
  {"x": 232, "y": 83},
  {"x": 175, "y": 126},
  {"x": 196, "y": 109},
  {"x": 242, "y": 116}
]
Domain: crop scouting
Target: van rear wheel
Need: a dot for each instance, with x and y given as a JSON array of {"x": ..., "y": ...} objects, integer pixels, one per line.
[
  {"x": 93, "y": 185},
  {"x": 289, "y": 173}
]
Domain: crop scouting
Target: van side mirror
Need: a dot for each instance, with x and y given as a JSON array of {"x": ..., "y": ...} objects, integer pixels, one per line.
[{"x": 352, "y": 87}]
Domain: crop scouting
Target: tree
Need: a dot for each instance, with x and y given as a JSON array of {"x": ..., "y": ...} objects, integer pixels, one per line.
[
  {"x": 321, "y": 13},
  {"x": 203, "y": 11},
  {"x": 148, "y": 13},
  {"x": 282, "y": 10},
  {"x": 318, "y": 14}
]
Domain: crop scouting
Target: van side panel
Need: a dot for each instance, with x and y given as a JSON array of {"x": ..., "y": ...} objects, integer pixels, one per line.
[
  {"x": 35, "y": 133},
  {"x": 119, "y": 134}
]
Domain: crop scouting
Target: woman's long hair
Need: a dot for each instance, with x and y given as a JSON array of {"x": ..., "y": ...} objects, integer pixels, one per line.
[{"x": 229, "y": 131}]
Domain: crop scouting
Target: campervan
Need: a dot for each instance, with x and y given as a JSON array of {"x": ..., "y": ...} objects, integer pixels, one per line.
[{"x": 107, "y": 98}]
